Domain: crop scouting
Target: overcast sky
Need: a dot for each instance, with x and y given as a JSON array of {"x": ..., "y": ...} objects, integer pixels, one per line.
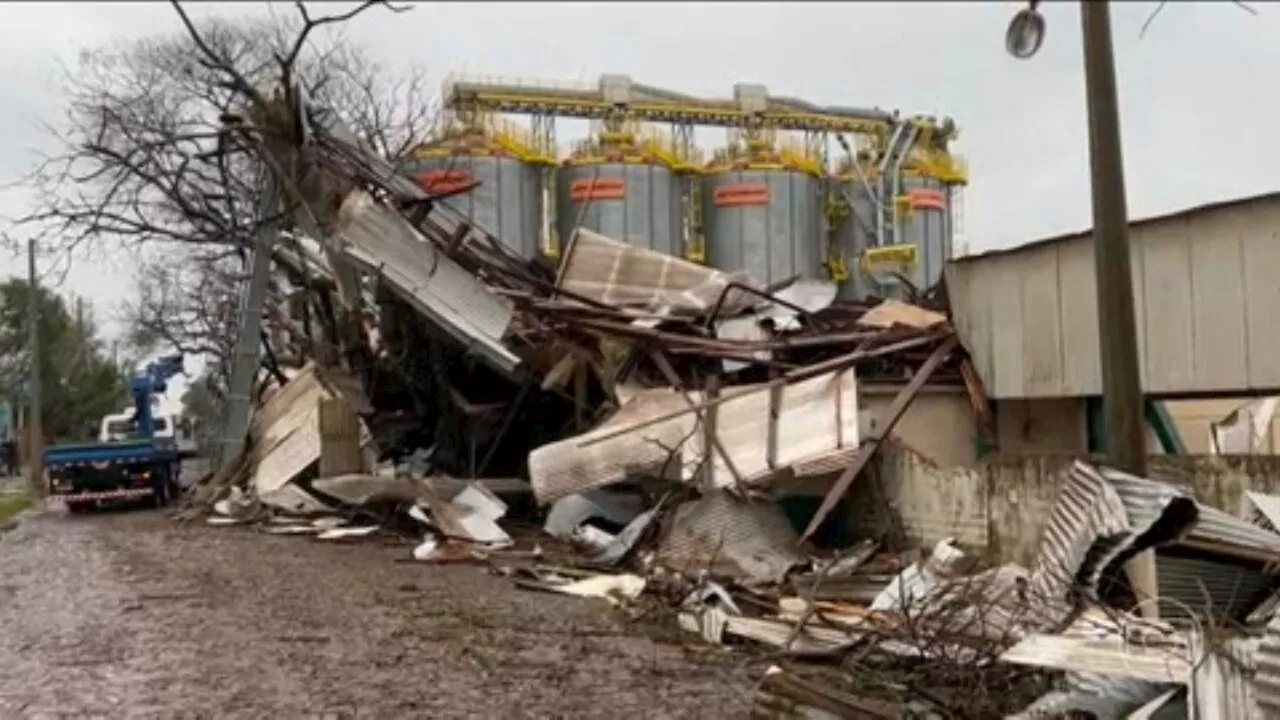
[{"x": 1197, "y": 107}]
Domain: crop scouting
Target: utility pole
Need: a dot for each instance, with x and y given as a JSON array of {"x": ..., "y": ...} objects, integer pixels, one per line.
[
  {"x": 1117, "y": 329},
  {"x": 1122, "y": 398},
  {"x": 35, "y": 424}
]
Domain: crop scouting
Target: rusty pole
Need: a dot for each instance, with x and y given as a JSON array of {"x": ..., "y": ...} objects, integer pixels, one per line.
[
  {"x": 1121, "y": 380},
  {"x": 35, "y": 424}
]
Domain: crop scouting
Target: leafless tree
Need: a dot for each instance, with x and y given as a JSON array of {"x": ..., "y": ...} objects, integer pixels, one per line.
[{"x": 147, "y": 159}]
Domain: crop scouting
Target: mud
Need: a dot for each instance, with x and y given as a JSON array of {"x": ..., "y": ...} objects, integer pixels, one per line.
[{"x": 130, "y": 614}]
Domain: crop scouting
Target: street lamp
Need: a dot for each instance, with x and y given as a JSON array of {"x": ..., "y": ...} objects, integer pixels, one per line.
[{"x": 1026, "y": 32}]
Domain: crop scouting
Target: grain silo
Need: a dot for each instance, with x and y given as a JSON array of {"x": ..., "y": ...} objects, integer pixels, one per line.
[
  {"x": 762, "y": 209},
  {"x": 508, "y": 201},
  {"x": 622, "y": 186},
  {"x": 925, "y": 222},
  {"x": 917, "y": 232},
  {"x": 852, "y": 218}
]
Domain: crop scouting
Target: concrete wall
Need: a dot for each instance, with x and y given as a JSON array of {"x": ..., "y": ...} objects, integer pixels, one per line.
[
  {"x": 999, "y": 506},
  {"x": 938, "y": 424},
  {"x": 1053, "y": 425}
]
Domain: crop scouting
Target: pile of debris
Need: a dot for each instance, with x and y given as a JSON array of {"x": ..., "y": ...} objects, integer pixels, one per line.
[
  {"x": 428, "y": 345},
  {"x": 447, "y": 391}
]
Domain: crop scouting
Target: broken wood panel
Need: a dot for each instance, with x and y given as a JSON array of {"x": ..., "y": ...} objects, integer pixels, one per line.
[
  {"x": 291, "y": 455},
  {"x": 339, "y": 428}
]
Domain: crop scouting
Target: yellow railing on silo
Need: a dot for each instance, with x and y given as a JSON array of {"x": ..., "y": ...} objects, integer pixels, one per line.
[
  {"x": 800, "y": 156},
  {"x": 663, "y": 146},
  {"x": 942, "y": 166},
  {"x": 519, "y": 141}
]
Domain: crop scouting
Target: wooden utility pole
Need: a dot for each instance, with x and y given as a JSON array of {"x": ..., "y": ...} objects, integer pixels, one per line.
[
  {"x": 35, "y": 424},
  {"x": 1121, "y": 379}
]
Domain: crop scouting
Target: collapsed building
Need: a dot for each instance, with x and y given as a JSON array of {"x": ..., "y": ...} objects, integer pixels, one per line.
[{"x": 692, "y": 413}]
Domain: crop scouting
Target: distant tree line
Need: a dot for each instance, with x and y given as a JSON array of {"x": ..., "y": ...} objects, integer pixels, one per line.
[{"x": 81, "y": 379}]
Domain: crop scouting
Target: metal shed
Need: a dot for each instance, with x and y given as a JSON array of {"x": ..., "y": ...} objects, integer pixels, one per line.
[{"x": 1206, "y": 296}]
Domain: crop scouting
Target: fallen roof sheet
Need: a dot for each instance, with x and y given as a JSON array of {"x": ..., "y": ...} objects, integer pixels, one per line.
[
  {"x": 612, "y": 272},
  {"x": 381, "y": 241},
  {"x": 764, "y": 432},
  {"x": 570, "y": 466},
  {"x": 747, "y": 539},
  {"x": 1103, "y": 517},
  {"x": 1100, "y": 656}
]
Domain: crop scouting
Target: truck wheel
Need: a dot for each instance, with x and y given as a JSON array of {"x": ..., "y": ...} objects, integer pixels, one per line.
[
  {"x": 160, "y": 493},
  {"x": 78, "y": 507}
]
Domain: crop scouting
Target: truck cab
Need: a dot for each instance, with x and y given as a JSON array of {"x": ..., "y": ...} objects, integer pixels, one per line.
[{"x": 122, "y": 426}]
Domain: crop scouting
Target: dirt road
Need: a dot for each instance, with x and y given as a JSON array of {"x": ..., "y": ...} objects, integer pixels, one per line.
[{"x": 131, "y": 614}]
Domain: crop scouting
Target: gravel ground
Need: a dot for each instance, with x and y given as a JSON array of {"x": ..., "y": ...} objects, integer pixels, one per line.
[{"x": 130, "y": 614}]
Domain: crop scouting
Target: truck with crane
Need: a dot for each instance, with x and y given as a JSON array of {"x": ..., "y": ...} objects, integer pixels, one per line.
[{"x": 144, "y": 467}]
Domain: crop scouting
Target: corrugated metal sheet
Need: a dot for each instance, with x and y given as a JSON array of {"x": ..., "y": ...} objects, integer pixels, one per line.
[
  {"x": 742, "y": 538},
  {"x": 1103, "y": 517},
  {"x": 385, "y": 244},
  {"x": 1267, "y": 662},
  {"x": 805, "y": 422},
  {"x": 1213, "y": 529},
  {"x": 570, "y": 466},
  {"x": 1222, "y": 685},
  {"x": 600, "y": 268},
  {"x": 1210, "y": 588},
  {"x": 1204, "y": 292},
  {"x": 1087, "y": 530}
]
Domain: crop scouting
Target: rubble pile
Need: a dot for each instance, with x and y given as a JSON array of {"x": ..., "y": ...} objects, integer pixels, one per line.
[
  {"x": 424, "y": 349},
  {"x": 639, "y": 411}
]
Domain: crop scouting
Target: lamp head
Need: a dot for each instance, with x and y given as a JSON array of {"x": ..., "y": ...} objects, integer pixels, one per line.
[{"x": 1026, "y": 33}]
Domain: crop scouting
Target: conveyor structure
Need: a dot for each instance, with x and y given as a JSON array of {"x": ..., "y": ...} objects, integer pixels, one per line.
[{"x": 891, "y": 148}]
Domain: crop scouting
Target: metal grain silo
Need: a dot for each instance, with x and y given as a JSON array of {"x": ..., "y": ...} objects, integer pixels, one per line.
[
  {"x": 619, "y": 187},
  {"x": 923, "y": 240},
  {"x": 853, "y": 231},
  {"x": 508, "y": 201},
  {"x": 925, "y": 222},
  {"x": 763, "y": 214}
]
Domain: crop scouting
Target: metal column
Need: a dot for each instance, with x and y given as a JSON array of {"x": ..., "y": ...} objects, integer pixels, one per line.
[{"x": 248, "y": 348}]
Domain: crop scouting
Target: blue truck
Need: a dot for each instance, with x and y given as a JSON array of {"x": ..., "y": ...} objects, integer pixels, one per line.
[{"x": 144, "y": 468}]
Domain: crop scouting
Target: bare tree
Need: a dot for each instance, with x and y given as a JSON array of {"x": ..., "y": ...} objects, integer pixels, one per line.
[{"x": 147, "y": 158}]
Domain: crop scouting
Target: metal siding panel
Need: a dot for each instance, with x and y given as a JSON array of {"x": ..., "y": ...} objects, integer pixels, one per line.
[
  {"x": 1078, "y": 295},
  {"x": 1041, "y": 339},
  {"x": 1260, "y": 244},
  {"x": 1221, "y": 351},
  {"x": 1007, "y": 326},
  {"x": 1137, "y": 265},
  {"x": 1192, "y": 279},
  {"x": 971, "y": 313},
  {"x": 1167, "y": 289}
]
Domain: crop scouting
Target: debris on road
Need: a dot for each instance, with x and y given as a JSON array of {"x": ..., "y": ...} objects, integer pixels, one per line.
[{"x": 635, "y": 412}]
